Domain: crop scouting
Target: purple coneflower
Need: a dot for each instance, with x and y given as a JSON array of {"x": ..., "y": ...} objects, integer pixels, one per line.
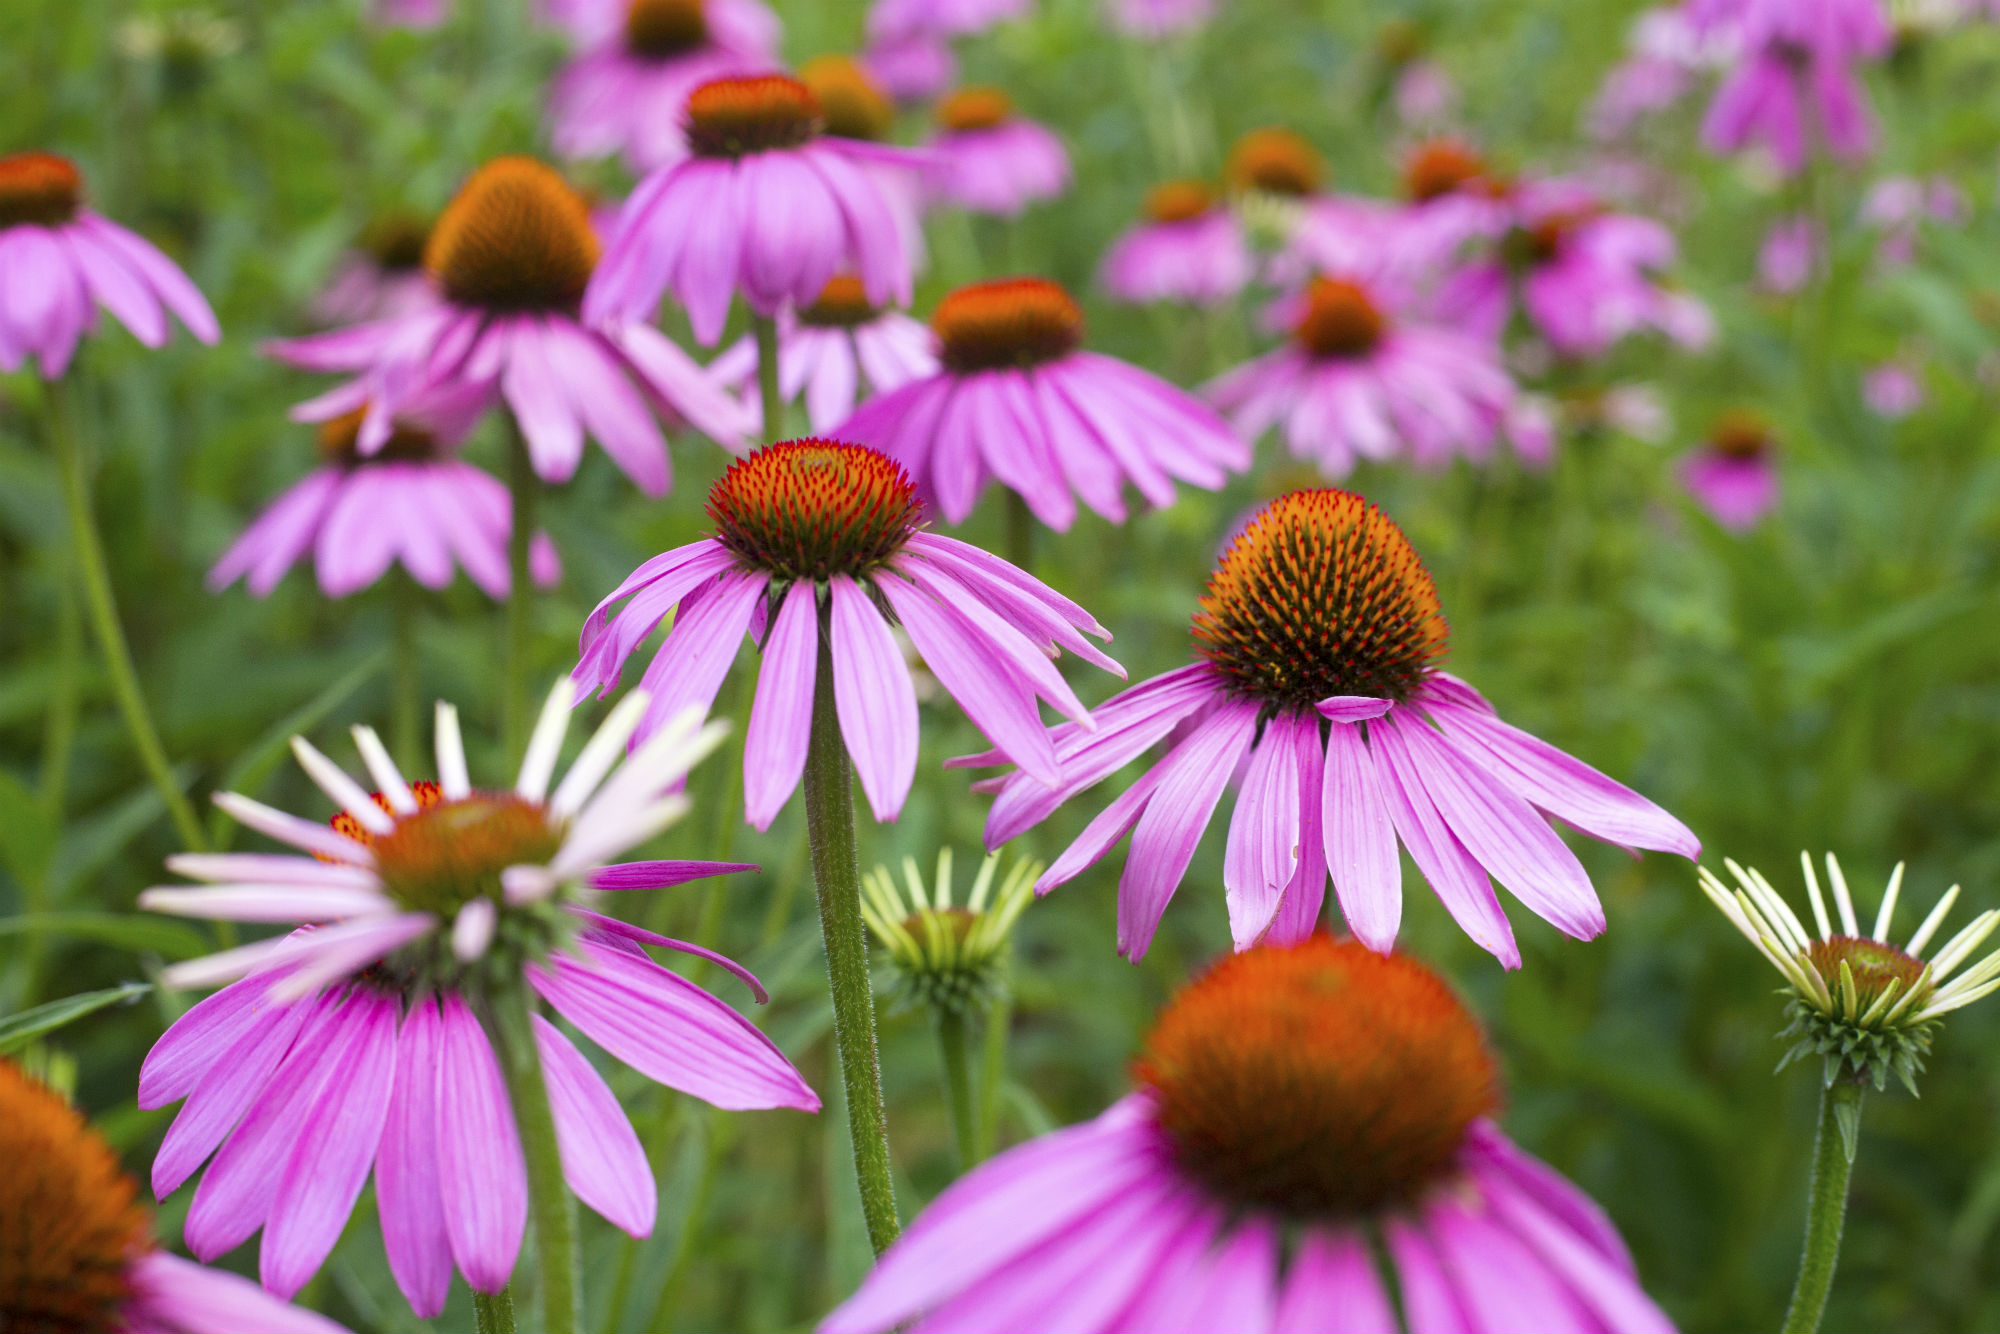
[
  {"x": 1793, "y": 87},
  {"x": 911, "y": 67},
  {"x": 1317, "y": 641},
  {"x": 1789, "y": 253},
  {"x": 627, "y": 91},
  {"x": 827, "y": 349},
  {"x": 941, "y": 18},
  {"x": 1893, "y": 390},
  {"x": 855, "y": 105},
  {"x": 1190, "y": 248},
  {"x": 991, "y": 159},
  {"x": 1018, "y": 400},
  {"x": 1733, "y": 475},
  {"x": 1155, "y": 19},
  {"x": 382, "y": 277},
  {"x": 1899, "y": 205},
  {"x": 1666, "y": 50},
  {"x": 398, "y": 1031},
  {"x": 1306, "y": 1117},
  {"x": 79, "y": 1252}
]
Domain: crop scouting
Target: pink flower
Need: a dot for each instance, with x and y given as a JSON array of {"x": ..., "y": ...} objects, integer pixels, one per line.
[
  {"x": 816, "y": 543},
  {"x": 351, "y": 1044},
  {"x": 511, "y": 257},
  {"x": 1899, "y": 206},
  {"x": 1733, "y": 476},
  {"x": 1794, "y": 86},
  {"x": 1018, "y": 400},
  {"x": 1317, "y": 687},
  {"x": 1893, "y": 390},
  {"x": 1155, "y": 19},
  {"x": 1189, "y": 249},
  {"x": 988, "y": 159},
  {"x": 59, "y": 261},
  {"x": 767, "y": 206},
  {"x": 1298, "y": 1109},
  {"x": 409, "y": 13},
  {"x": 1790, "y": 253},
  {"x": 627, "y": 91},
  {"x": 913, "y": 67},
  {"x": 381, "y": 278},
  {"x": 1667, "y": 51},
  {"x": 1425, "y": 94},
  {"x": 941, "y": 18},
  {"x": 1362, "y": 376},
  {"x": 825, "y": 351}
]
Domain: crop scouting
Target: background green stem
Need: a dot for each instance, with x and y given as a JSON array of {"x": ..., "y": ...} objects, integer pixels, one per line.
[
  {"x": 766, "y": 330},
  {"x": 992, "y": 1073},
  {"x": 406, "y": 676},
  {"x": 525, "y": 488},
  {"x": 494, "y": 1311},
  {"x": 829, "y": 784},
  {"x": 1020, "y": 533},
  {"x": 958, "y": 1083},
  {"x": 1826, "y": 1206},
  {"x": 59, "y": 728},
  {"x": 104, "y": 616},
  {"x": 549, "y": 1202}
]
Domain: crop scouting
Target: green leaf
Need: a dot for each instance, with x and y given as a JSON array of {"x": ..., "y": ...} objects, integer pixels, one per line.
[
  {"x": 254, "y": 768},
  {"x": 17, "y": 1031},
  {"x": 93, "y": 841},
  {"x": 27, "y": 839},
  {"x": 135, "y": 933}
]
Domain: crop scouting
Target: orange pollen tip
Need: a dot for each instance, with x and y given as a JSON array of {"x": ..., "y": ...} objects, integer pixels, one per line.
[
  {"x": 842, "y": 304},
  {"x": 854, "y": 106},
  {"x": 1439, "y": 167},
  {"x": 70, "y": 1216},
  {"x": 452, "y": 851},
  {"x": 811, "y": 509},
  {"x": 1274, "y": 161},
  {"x": 340, "y": 437},
  {"x": 659, "y": 29},
  {"x": 979, "y": 107},
  {"x": 427, "y": 793},
  {"x": 736, "y": 117},
  {"x": 396, "y": 241},
  {"x": 1741, "y": 435},
  {"x": 1341, "y": 320},
  {"x": 1874, "y": 964},
  {"x": 1179, "y": 201},
  {"x": 1319, "y": 1080},
  {"x": 516, "y": 237},
  {"x": 38, "y": 189},
  {"x": 1321, "y": 595},
  {"x": 1006, "y": 323}
]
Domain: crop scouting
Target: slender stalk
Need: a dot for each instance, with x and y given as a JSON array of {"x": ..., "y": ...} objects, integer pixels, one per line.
[
  {"x": 1826, "y": 1205},
  {"x": 104, "y": 616},
  {"x": 549, "y": 1202},
  {"x": 958, "y": 1083},
  {"x": 829, "y": 784},
  {"x": 525, "y": 488},
  {"x": 494, "y": 1311},
  {"x": 766, "y": 330},
  {"x": 406, "y": 673},
  {"x": 1020, "y": 532},
  {"x": 992, "y": 1073},
  {"x": 59, "y": 728}
]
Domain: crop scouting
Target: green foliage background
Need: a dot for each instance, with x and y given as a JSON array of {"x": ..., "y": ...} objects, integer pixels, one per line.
[{"x": 1827, "y": 681}]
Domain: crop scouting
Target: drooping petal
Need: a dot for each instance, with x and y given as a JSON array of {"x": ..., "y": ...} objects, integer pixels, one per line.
[
  {"x": 1263, "y": 849},
  {"x": 172, "y": 1294},
  {"x": 1332, "y": 1284},
  {"x": 408, "y": 1195},
  {"x": 601, "y": 1157},
  {"x": 1360, "y": 841},
  {"x": 774, "y": 748},
  {"x": 482, "y": 1177},
  {"x": 1191, "y": 781},
  {"x": 875, "y": 701}
]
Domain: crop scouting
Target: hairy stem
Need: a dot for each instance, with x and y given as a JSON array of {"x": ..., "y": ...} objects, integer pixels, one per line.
[
  {"x": 549, "y": 1202},
  {"x": 992, "y": 1073},
  {"x": 494, "y": 1311},
  {"x": 958, "y": 1083},
  {"x": 766, "y": 330},
  {"x": 1826, "y": 1205},
  {"x": 406, "y": 672}
]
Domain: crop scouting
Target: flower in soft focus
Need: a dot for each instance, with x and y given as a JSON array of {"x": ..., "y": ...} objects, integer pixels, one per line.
[
  {"x": 940, "y": 18},
  {"x": 409, "y": 13},
  {"x": 912, "y": 67},
  {"x": 627, "y": 92},
  {"x": 856, "y": 106},
  {"x": 1365, "y": 375},
  {"x": 382, "y": 277},
  {"x": 1190, "y": 248},
  {"x": 818, "y": 549},
  {"x": 1316, "y": 682},
  {"x": 769, "y": 206},
  {"x": 358, "y": 1041},
  {"x": 511, "y": 256},
  {"x": 1272, "y": 174},
  {"x": 990, "y": 159},
  {"x": 1306, "y": 1118},
  {"x": 186, "y": 38},
  {"x": 1898, "y": 206},
  {"x": 414, "y": 502},
  {"x": 827, "y": 349},
  {"x": 1425, "y": 94},
  {"x": 78, "y": 1252},
  {"x": 1789, "y": 254},
  {"x": 1866, "y": 1006},
  {"x": 948, "y": 957},
  {"x": 1793, "y": 86},
  {"x": 1893, "y": 390},
  {"x": 59, "y": 262},
  {"x": 1018, "y": 400},
  {"x": 1666, "y": 50},
  {"x": 1638, "y": 410},
  {"x": 1154, "y": 19},
  {"x": 1733, "y": 475}
]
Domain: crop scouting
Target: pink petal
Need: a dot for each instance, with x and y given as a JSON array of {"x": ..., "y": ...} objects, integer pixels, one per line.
[
  {"x": 874, "y": 699},
  {"x": 601, "y": 1157},
  {"x": 1191, "y": 781},
  {"x": 482, "y": 1177},
  {"x": 1360, "y": 841},
  {"x": 1263, "y": 850},
  {"x": 774, "y": 749},
  {"x": 408, "y": 1195}
]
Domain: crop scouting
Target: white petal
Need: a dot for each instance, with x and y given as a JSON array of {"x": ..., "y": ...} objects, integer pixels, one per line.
[
  {"x": 453, "y": 779},
  {"x": 291, "y": 829},
  {"x": 345, "y": 792},
  {"x": 599, "y": 754},
  {"x": 472, "y": 931},
  {"x": 384, "y": 771},
  {"x": 545, "y": 745}
]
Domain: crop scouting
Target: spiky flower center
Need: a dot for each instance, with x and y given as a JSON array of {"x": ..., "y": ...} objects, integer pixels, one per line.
[
  {"x": 453, "y": 850},
  {"x": 1874, "y": 964},
  {"x": 1321, "y": 595},
  {"x": 1340, "y": 320},
  {"x": 1741, "y": 435},
  {"x": 70, "y": 1222},
  {"x": 1274, "y": 161},
  {"x": 1318, "y": 1080},
  {"x": 978, "y": 107},
  {"x": 1439, "y": 167},
  {"x": 735, "y": 117},
  {"x": 811, "y": 509},
  {"x": 854, "y": 107},
  {"x": 1179, "y": 201},
  {"x": 517, "y": 237},
  {"x": 1006, "y": 323},
  {"x": 339, "y": 442},
  {"x": 38, "y": 188},
  {"x": 662, "y": 29},
  {"x": 842, "y": 304}
]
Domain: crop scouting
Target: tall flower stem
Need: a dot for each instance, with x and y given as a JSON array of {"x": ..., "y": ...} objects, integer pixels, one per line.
[
  {"x": 1020, "y": 533},
  {"x": 549, "y": 1202},
  {"x": 993, "y": 1071},
  {"x": 59, "y": 728},
  {"x": 525, "y": 489},
  {"x": 494, "y": 1311},
  {"x": 958, "y": 1083},
  {"x": 104, "y": 616},
  {"x": 406, "y": 672},
  {"x": 1826, "y": 1204},
  {"x": 829, "y": 784},
  {"x": 766, "y": 330}
]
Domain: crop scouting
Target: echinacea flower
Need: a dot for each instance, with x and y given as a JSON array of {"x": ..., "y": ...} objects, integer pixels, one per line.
[
  {"x": 1793, "y": 87},
  {"x": 855, "y": 105},
  {"x": 511, "y": 256},
  {"x": 947, "y": 956},
  {"x": 1363, "y": 374},
  {"x": 59, "y": 262},
  {"x": 768, "y": 206},
  {"x": 1789, "y": 254},
  {"x": 1667, "y": 51},
  {"x": 1154, "y": 19},
  {"x": 1892, "y": 390},
  {"x": 1899, "y": 206},
  {"x": 627, "y": 91},
  {"x": 413, "y": 502},
  {"x": 817, "y": 546},
  {"x": 988, "y": 158},
  {"x": 382, "y": 277},
  {"x": 1425, "y": 94},
  {"x": 78, "y": 1251},
  {"x": 1189, "y": 248},
  {"x": 941, "y": 18},
  {"x": 828, "y": 349},
  {"x": 1733, "y": 475},
  {"x": 1272, "y": 173},
  {"x": 1306, "y": 1117},
  {"x": 357, "y": 1042},
  {"x": 1317, "y": 682},
  {"x": 1017, "y": 399},
  {"x": 911, "y": 67}
]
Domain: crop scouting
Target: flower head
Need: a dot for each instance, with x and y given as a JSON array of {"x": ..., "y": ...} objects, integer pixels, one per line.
[
  {"x": 1792, "y": 86},
  {"x": 1189, "y": 248},
  {"x": 990, "y": 159},
  {"x": 948, "y": 957},
  {"x": 382, "y": 276},
  {"x": 1733, "y": 475},
  {"x": 853, "y": 105}
]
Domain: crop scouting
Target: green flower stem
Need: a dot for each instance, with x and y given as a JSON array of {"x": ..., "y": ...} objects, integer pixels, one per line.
[
  {"x": 525, "y": 489},
  {"x": 406, "y": 672},
  {"x": 549, "y": 1202},
  {"x": 829, "y": 784},
  {"x": 104, "y": 617},
  {"x": 1020, "y": 533},
  {"x": 766, "y": 330},
  {"x": 494, "y": 1311},
  {"x": 958, "y": 1083},
  {"x": 59, "y": 728},
  {"x": 1826, "y": 1205},
  {"x": 992, "y": 1073}
]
